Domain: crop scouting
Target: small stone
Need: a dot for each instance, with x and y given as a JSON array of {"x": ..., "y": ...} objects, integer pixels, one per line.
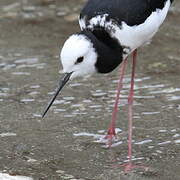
[
  {"x": 29, "y": 9},
  {"x": 71, "y": 18},
  {"x": 59, "y": 14},
  {"x": 31, "y": 160},
  {"x": 60, "y": 171}
]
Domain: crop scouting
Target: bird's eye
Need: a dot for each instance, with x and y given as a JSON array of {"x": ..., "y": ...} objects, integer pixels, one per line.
[{"x": 79, "y": 60}]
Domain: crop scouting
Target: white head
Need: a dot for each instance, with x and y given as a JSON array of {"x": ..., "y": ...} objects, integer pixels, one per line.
[{"x": 78, "y": 56}]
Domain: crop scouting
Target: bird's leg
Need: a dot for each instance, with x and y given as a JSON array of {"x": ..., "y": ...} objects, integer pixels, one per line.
[
  {"x": 111, "y": 131},
  {"x": 130, "y": 111},
  {"x": 129, "y": 166}
]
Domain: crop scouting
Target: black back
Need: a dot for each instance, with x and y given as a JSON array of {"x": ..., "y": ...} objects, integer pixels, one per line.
[{"x": 133, "y": 12}]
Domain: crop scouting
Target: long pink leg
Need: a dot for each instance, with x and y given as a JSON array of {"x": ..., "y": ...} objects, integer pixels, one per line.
[
  {"x": 130, "y": 112},
  {"x": 111, "y": 129},
  {"x": 129, "y": 166}
]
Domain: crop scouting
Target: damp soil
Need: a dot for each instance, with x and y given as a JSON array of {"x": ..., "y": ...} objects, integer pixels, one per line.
[{"x": 64, "y": 145}]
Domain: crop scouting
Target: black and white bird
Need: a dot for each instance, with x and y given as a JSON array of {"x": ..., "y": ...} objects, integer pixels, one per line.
[{"x": 110, "y": 31}]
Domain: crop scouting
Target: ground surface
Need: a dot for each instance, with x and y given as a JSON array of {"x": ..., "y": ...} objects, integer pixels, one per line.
[{"x": 62, "y": 146}]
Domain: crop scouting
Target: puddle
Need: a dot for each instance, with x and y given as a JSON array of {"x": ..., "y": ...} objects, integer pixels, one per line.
[
  {"x": 4, "y": 176},
  {"x": 143, "y": 142},
  {"x": 7, "y": 134}
]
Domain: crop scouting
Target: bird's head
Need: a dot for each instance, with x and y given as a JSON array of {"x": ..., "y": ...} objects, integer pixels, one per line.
[{"x": 78, "y": 56}]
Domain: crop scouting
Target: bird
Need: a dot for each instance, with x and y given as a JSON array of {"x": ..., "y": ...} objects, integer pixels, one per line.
[{"x": 110, "y": 31}]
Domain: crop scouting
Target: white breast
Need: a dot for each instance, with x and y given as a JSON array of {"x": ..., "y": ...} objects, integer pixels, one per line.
[{"x": 131, "y": 37}]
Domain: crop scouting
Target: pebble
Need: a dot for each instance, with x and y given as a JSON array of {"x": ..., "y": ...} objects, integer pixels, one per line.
[{"x": 71, "y": 17}]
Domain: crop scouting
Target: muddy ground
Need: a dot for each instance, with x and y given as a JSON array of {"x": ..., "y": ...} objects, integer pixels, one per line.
[{"x": 64, "y": 144}]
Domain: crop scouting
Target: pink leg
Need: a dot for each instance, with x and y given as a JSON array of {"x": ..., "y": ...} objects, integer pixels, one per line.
[
  {"x": 129, "y": 166},
  {"x": 111, "y": 130},
  {"x": 130, "y": 112}
]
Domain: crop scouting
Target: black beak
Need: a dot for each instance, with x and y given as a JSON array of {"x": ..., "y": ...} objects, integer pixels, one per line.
[{"x": 62, "y": 82}]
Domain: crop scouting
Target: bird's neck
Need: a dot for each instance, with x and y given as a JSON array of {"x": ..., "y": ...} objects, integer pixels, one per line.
[{"x": 108, "y": 50}]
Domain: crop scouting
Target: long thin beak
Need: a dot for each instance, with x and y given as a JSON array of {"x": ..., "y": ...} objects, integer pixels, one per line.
[{"x": 62, "y": 82}]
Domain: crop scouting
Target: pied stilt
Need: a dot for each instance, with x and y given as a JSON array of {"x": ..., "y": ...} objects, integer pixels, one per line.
[{"x": 110, "y": 31}]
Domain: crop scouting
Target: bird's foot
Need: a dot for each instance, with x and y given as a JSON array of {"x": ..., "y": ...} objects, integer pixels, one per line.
[
  {"x": 111, "y": 135},
  {"x": 129, "y": 167}
]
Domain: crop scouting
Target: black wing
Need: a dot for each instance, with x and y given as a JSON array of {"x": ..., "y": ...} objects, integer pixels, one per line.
[{"x": 133, "y": 12}]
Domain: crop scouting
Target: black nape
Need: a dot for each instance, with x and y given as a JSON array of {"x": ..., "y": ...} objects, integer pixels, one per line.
[
  {"x": 109, "y": 52},
  {"x": 103, "y": 36}
]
